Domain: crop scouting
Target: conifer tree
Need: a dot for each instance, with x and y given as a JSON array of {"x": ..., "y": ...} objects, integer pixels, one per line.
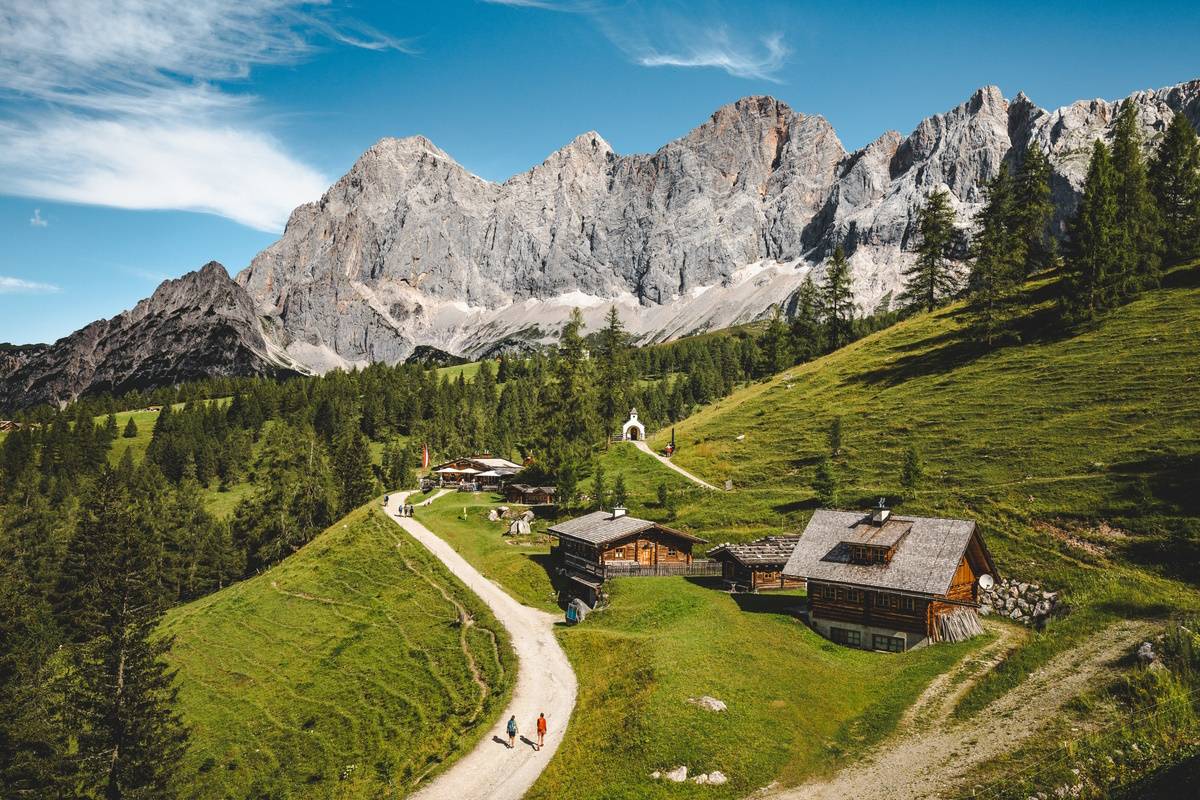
[
  {"x": 1032, "y": 210},
  {"x": 1137, "y": 212},
  {"x": 1175, "y": 179},
  {"x": 999, "y": 261},
  {"x": 912, "y": 472},
  {"x": 825, "y": 483},
  {"x": 1094, "y": 260},
  {"x": 773, "y": 348},
  {"x": 837, "y": 302},
  {"x": 614, "y": 384},
  {"x": 807, "y": 335},
  {"x": 352, "y": 466},
  {"x": 599, "y": 487},
  {"x": 120, "y": 695},
  {"x": 620, "y": 494},
  {"x": 930, "y": 279},
  {"x": 131, "y": 429},
  {"x": 663, "y": 495}
]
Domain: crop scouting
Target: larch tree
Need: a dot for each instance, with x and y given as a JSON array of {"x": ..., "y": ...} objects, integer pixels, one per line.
[
  {"x": 1137, "y": 212},
  {"x": 837, "y": 300},
  {"x": 930, "y": 280},
  {"x": 1175, "y": 180},
  {"x": 1095, "y": 260},
  {"x": 612, "y": 353}
]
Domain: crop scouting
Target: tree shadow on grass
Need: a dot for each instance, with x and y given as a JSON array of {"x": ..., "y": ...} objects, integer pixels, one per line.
[
  {"x": 779, "y": 603},
  {"x": 557, "y": 582}
]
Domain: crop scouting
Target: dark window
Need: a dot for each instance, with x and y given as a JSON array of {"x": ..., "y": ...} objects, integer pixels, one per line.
[
  {"x": 907, "y": 603},
  {"x": 882, "y": 600},
  {"x": 892, "y": 644},
  {"x": 845, "y": 636}
]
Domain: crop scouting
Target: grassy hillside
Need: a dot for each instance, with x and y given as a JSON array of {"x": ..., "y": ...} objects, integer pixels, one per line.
[{"x": 343, "y": 672}]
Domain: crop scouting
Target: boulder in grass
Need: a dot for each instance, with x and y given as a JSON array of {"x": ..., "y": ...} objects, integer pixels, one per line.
[
  {"x": 677, "y": 775},
  {"x": 708, "y": 703},
  {"x": 493, "y": 515},
  {"x": 655, "y": 775},
  {"x": 701, "y": 778},
  {"x": 717, "y": 778}
]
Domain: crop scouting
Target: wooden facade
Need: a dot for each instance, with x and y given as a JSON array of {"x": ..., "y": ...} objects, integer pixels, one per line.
[
  {"x": 882, "y": 583},
  {"x": 757, "y": 566},
  {"x": 529, "y": 495},
  {"x": 593, "y": 547}
]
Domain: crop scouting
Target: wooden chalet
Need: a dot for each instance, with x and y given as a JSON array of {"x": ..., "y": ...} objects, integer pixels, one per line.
[
  {"x": 606, "y": 544},
  {"x": 527, "y": 495},
  {"x": 757, "y": 566},
  {"x": 483, "y": 471},
  {"x": 879, "y": 581}
]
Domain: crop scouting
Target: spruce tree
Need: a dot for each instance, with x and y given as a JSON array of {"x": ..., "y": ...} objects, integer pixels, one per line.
[
  {"x": 1032, "y": 210},
  {"x": 130, "y": 742},
  {"x": 352, "y": 466},
  {"x": 773, "y": 348},
  {"x": 620, "y": 494},
  {"x": 663, "y": 495},
  {"x": 837, "y": 301},
  {"x": 930, "y": 279},
  {"x": 599, "y": 487},
  {"x": 1175, "y": 179},
  {"x": 131, "y": 429},
  {"x": 912, "y": 472},
  {"x": 1137, "y": 212},
  {"x": 614, "y": 384},
  {"x": 825, "y": 483},
  {"x": 806, "y": 335},
  {"x": 998, "y": 263},
  {"x": 1095, "y": 259}
]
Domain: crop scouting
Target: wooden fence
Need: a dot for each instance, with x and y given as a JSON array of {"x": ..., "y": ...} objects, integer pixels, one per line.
[{"x": 699, "y": 568}]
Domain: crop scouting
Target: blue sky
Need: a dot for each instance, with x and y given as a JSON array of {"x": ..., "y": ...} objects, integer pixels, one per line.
[{"x": 138, "y": 142}]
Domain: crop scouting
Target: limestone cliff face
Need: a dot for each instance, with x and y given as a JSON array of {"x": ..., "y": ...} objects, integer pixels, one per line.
[
  {"x": 200, "y": 325},
  {"x": 409, "y": 248}
]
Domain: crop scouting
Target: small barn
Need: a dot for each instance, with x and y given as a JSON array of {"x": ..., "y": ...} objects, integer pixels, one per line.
[
  {"x": 757, "y": 566},
  {"x": 527, "y": 495},
  {"x": 633, "y": 429},
  {"x": 595, "y": 546},
  {"x": 879, "y": 581}
]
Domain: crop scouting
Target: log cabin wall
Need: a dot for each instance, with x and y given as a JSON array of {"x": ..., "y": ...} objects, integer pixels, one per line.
[
  {"x": 773, "y": 578},
  {"x": 650, "y": 547},
  {"x": 869, "y": 608}
]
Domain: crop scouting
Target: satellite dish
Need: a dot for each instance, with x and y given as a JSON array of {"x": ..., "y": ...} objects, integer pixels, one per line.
[{"x": 986, "y": 582}]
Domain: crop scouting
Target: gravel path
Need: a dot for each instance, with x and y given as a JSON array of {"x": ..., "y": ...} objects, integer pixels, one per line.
[
  {"x": 645, "y": 448},
  {"x": 931, "y": 758},
  {"x": 545, "y": 683}
]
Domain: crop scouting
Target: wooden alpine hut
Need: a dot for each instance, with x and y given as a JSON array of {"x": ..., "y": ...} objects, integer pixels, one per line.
[
  {"x": 757, "y": 566},
  {"x": 879, "y": 581}
]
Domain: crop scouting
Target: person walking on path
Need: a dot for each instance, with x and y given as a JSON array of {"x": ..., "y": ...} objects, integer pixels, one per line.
[
  {"x": 541, "y": 729},
  {"x": 512, "y": 732}
]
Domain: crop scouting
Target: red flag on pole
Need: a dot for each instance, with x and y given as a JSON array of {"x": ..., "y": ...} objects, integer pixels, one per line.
[{"x": 425, "y": 456}]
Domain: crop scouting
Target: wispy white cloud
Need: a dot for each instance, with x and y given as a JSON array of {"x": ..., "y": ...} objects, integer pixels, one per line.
[
  {"x": 10, "y": 285},
  {"x": 693, "y": 34},
  {"x": 716, "y": 50},
  {"x": 131, "y": 103},
  {"x": 37, "y": 220}
]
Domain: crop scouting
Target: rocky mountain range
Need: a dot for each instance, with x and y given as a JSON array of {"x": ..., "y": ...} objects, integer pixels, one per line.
[
  {"x": 716, "y": 228},
  {"x": 197, "y": 326}
]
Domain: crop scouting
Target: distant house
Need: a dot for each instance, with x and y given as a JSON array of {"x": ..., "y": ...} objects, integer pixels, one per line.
[
  {"x": 879, "y": 581},
  {"x": 153, "y": 408},
  {"x": 8, "y": 425},
  {"x": 758, "y": 565},
  {"x": 483, "y": 471},
  {"x": 604, "y": 544},
  {"x": 529, "y": 495}
]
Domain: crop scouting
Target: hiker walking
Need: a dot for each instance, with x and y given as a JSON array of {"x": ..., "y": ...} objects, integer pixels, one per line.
[
  {"x": 541, "y": 729},
  {"x": 512, "y": 732}
]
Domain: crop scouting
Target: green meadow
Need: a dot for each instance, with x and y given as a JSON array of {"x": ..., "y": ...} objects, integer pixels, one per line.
[{"x": 343, "y": 672}]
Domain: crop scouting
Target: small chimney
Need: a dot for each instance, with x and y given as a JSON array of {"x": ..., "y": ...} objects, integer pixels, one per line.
[
  {"x": 881, "y": 513},
  {"x": 618, "y": 511}
]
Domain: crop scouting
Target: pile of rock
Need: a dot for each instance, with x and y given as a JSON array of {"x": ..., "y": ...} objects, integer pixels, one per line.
[
  {"x": 1022, "y": 602},
  {"x": 680, "y": 774},
  {"x": 708, "y": 703}
]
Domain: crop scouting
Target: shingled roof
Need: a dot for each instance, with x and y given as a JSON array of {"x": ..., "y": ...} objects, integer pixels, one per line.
[
  {"x": 762, "y": 552},
  {"x": 924, "y": 562},
  {"x": 601, "y": 527}
]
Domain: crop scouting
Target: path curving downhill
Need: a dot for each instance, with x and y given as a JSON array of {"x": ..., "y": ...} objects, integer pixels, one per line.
[
  {"x": 647, "y": 449},
  {"x": 545, "y": 684}
]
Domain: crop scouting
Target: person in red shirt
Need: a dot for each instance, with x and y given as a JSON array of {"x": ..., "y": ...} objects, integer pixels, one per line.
[{"x": 541, "y": 730}]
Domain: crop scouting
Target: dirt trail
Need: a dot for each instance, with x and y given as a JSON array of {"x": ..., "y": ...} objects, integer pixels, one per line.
[
  {"x": 545, "y": 683},
  {"x": 932, "y": 753},
  {"x": 645, "y": 448}
]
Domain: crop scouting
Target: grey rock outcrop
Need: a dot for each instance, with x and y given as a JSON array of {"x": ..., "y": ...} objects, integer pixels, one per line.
[
  {"x": 713, "y": 229},
  {"x": 197, "y": 326}
]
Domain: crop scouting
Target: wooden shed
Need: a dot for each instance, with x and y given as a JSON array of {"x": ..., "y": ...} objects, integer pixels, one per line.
[
  {"x": 757, "y": 566},
  {"x": 880, "y": 581},
  {"x": 529, "y": 495}
]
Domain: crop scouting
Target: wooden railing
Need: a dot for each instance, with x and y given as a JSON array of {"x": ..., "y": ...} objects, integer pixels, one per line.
[{"x": 699, "y": 568}]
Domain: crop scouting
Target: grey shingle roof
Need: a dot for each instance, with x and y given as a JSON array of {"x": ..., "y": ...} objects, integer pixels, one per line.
[
  {"x": 924, "y": 562},
  {"x": 765, "y": 551},
  {"x": 601, "y": 527}
]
